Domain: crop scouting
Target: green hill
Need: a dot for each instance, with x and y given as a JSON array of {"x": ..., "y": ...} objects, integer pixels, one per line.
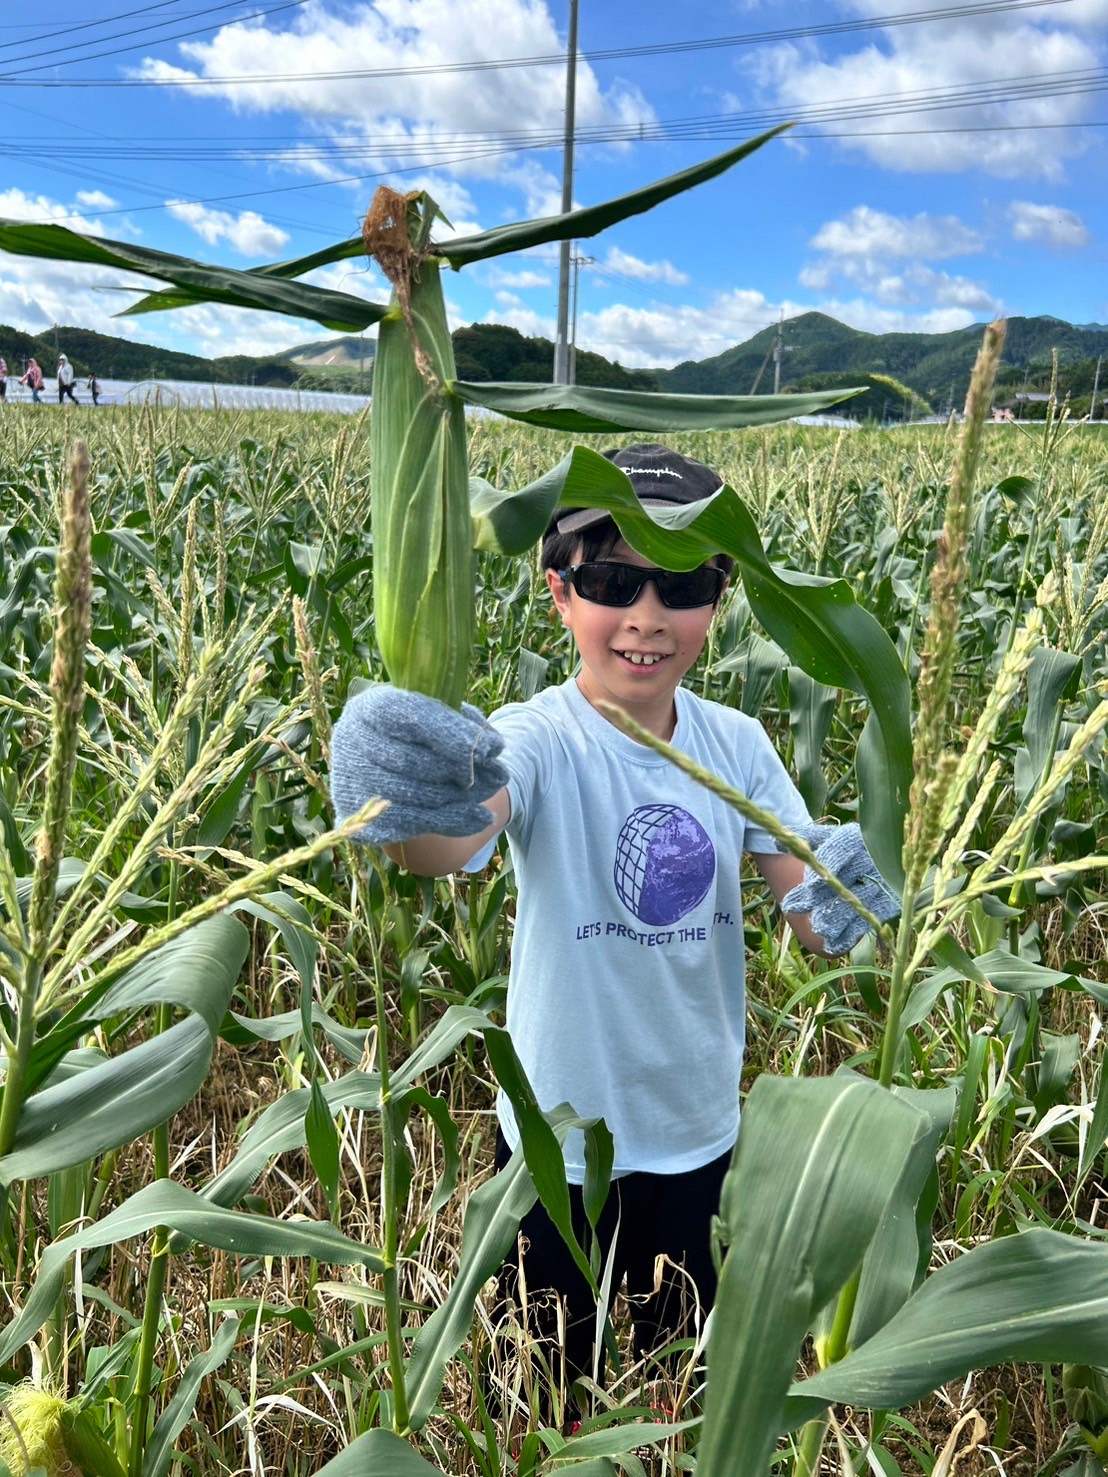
[
  {"x": 483, "y": 351},
  {"x": 936, "y": 365},
  {"x": 819, "y": 350},
  {"x": 121, "y": 358}
]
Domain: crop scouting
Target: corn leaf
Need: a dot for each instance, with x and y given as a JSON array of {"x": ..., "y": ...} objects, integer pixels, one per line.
[
  {"x": 897, "y": 1258},
  {"x": 817, "y": 621},
  {"x": 1039, "y": 1297},
  {"x": 114, "y": 1101},
  {"x": 196, "y": 282},
  {"x": 585, "y": 411},
  {"x": 492, "y": 1216},
  {"x": 166, "y": 1204},
  {"x": 579, "y": 225},
  {"x": 111, "y": 1103},
  {"x": 576, "y": 224},
  {"x": 815, "y": 1168},
  {"x": 380, "y": 1453}
]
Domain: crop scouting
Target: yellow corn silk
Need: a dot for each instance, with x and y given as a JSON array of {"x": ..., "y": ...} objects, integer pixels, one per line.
[
  {"x": 422, "y": 538},
  {"x": 32, "y": 1433},
  {"x": 39, "y": 1431}
]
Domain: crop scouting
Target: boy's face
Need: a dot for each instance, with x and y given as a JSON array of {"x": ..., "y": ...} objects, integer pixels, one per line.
[{"x": 608, "y": 637}]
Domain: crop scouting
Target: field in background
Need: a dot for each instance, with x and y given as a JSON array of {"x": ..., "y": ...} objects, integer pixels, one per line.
[{"x": 205, "y": 527}]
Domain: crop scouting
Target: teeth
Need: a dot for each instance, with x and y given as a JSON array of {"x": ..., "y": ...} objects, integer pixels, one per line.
[{"x": 640, "y": 659}]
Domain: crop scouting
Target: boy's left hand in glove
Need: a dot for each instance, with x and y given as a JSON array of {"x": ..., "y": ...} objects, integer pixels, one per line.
[{"x": 843, "y": 852}]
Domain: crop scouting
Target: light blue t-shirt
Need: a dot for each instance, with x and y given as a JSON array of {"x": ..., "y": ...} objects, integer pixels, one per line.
[{"x": 627, "y": 996}]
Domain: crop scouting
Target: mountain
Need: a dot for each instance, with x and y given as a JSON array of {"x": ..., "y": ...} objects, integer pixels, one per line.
[
  {"x": 935, "y": 365},
  {"x": 330, "y": 353}
]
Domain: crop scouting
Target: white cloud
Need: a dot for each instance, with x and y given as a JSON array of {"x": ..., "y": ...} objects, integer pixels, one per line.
[
  {"x": 498, "y": 277},
  {"x": 964, "y": 59},
  {"x": 869, "y": 318},
  {"x": 35, "y": 293},
  {"x": 430, "y": 118},
  {"x": 247, "y": 233},
  {"x": 866, "y": 232},
  {"x": 17, "y": 205},
  {"x": 1051, "y": 224},
  {"x": 96, "y": 200},
  {"x": 631, "y": 266},
  {"x": 526, "y": 320},
  {"x": 909, "y": 285},
  {"x": 214, "y": 330},
  {"x": 884, "y": 257}
]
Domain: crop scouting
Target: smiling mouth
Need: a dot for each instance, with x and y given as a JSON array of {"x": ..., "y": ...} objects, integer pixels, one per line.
[{"x": 642, "y": 658}]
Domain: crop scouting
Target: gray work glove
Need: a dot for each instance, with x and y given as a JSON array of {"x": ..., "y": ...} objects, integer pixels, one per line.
[
  {"x": 433, "y": 765},
  {"x": 843, "y": 852}
]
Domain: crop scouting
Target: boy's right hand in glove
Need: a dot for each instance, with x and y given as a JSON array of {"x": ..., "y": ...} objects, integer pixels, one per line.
[{"x": 433, "y": 764}]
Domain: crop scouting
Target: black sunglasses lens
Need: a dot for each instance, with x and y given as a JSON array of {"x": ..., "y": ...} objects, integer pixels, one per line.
[
  {"x": 621, "y": 584},
  {"x": 692, "y": 588},
  {"x": 609, "y": 584}
]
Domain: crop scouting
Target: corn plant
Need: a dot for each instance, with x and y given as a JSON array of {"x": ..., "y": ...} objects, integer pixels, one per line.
[{"x": 423, "y": 591}]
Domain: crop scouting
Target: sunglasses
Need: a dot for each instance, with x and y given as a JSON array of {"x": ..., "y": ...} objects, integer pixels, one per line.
[{"x": 622, "y": 584}]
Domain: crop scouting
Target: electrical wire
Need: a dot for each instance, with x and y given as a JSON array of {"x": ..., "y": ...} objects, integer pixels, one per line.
[
  {"x": 554, "y": 59},
  {"x": 57, "y": 61},
  {"x": 439, "y": 149}
]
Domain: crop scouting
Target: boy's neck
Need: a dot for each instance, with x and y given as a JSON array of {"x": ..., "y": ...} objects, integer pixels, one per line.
[{"x": 658, "y": 718}]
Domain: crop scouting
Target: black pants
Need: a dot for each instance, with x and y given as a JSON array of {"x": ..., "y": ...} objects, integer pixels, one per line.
[
  {"x": 63, "y": 391},
  {"x": 658, "y": 1215}
]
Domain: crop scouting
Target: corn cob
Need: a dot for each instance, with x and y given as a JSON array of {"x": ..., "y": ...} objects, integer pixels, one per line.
[{"x": 422, "y": 539}]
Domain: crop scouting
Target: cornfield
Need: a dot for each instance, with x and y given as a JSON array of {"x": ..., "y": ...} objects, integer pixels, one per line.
[
  {"x": 246, "y": 1216},
  {"x": 216, "y": 949}
]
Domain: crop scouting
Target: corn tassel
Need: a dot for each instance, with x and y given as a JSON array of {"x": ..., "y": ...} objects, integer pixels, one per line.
[{"x": 422, "y": 537}]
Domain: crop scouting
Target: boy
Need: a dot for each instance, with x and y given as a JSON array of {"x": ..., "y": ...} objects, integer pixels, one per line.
[{"x": 626, "y": 995}]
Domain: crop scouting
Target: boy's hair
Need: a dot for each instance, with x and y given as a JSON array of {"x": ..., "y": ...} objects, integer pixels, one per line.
[{"x": 661, "y": 478}]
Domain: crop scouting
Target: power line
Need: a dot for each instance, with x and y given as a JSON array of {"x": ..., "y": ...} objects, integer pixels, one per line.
[
  {"x": 52, "y": 52},
  {"x": 462, "y": 146},
  {"x": 554, "y": 59},
  {"x": 83, "y": 26}
]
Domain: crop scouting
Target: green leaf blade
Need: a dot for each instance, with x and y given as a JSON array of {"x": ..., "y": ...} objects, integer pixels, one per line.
[
  {"x": 585, "y": 410},
  {"x": 579, "y": 225}
]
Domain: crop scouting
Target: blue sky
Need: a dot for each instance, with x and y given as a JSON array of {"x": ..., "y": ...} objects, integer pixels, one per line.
[{"x": 949, "y": 162}]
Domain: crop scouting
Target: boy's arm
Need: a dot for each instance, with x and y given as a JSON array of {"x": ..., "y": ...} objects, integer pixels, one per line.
[
  {"x": 782, "y": 873},
  {"x": 431, "y": 855},
  {"x": 439, "y": 769}
]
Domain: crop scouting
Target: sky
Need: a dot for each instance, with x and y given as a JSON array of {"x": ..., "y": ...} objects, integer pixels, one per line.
[{"x": 947, "y": 163}]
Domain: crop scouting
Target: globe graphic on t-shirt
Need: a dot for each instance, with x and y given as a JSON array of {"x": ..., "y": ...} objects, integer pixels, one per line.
[{"x": 665, "y": 863}]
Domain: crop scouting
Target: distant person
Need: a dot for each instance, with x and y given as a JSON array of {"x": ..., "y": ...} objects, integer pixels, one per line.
[
  {"x": 65, "y": 380},
  {"x": 3, "y": 380},
  {"x": 33, "y": 380},
  {"x": 93, "y": 388}
]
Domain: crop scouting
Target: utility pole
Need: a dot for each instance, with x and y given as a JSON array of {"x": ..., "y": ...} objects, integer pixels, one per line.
[
  {"x": 1096, "y": 387},
  {"x": 561, "y": 347},
  {"x": 578, "y": 263}
]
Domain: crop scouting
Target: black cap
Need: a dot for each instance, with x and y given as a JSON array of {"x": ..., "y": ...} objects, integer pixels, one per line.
[{"x": 661, "y": 477}]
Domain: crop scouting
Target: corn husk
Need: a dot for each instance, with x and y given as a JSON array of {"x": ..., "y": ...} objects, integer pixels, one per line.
[{"x": 422, "y": 539}]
